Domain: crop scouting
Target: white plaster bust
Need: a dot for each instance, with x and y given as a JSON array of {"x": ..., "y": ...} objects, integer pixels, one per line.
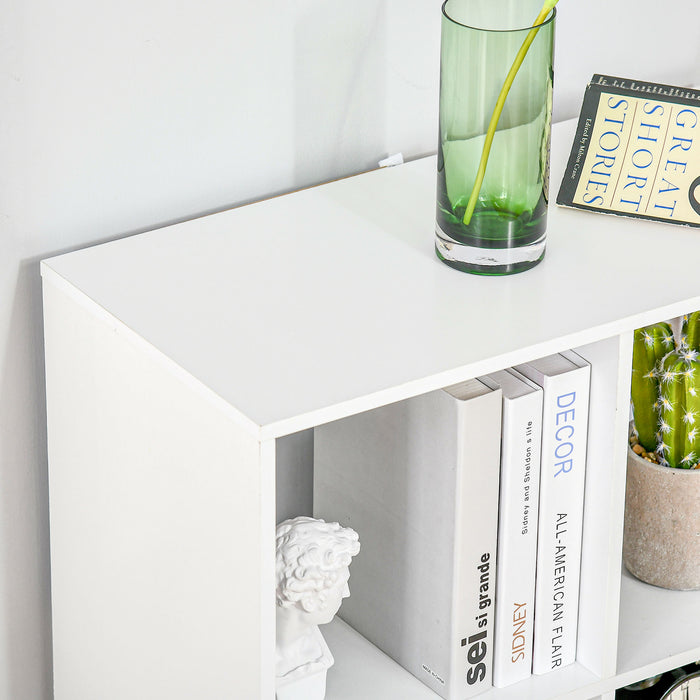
[{"x": 312, "y": 567}]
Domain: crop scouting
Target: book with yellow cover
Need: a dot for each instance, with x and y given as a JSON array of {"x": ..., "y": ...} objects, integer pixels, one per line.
[{"x": 636, "y": 152}]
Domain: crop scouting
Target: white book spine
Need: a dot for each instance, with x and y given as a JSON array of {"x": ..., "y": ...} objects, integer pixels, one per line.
[
  {"x": 560, "y": 529},
  {"x": 476, "y": 544},
  {"x": 517, "y": 537}
]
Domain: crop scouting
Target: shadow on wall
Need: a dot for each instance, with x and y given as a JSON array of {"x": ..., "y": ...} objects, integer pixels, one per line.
[
  {"x": 24, "y": 527},
  {"x": 340, "y": 74}
]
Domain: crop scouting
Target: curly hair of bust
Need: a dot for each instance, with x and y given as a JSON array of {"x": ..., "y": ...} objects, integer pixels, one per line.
[{"x": 310, "y": 555}]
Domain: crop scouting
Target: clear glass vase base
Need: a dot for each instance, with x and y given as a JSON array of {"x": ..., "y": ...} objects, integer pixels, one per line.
[{"x": 488, "y": 261}]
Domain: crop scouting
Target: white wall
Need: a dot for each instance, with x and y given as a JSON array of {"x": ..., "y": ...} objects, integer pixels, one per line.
[{"x": 116, "y": 117}]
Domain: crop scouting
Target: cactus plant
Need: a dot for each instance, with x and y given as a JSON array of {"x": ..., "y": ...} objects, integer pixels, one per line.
[
  {"x": 666, "y": 392},
  {"x": 690, "y": 331},
  {"x": 679, "y": 410},
  {"x": 651, "y": 344}
]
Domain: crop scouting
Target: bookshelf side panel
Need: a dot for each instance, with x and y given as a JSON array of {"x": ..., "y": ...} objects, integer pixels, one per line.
[
  {"x": 162, "y": 525},
  {"x": 599, "y": 597}
]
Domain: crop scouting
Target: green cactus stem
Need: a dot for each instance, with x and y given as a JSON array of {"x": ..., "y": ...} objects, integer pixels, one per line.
[
  {"x": 651, "y": 344},
  {"x": 679, "y": 410},
  {"x": 690, "y": 331}
]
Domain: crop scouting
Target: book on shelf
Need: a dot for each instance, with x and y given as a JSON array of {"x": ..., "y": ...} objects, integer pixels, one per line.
[
  {"x": 636, "y": 152},
  {"x": 565, "y": 380},
  {"x": 517, "y": 525},
  {"x": 418, "y": 481}
]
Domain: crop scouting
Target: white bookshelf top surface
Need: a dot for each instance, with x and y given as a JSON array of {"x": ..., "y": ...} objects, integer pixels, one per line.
[{"x": 311, "y": 306}]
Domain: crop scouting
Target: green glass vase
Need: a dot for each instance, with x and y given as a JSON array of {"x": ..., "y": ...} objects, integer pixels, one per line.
[{"x": 479, "y": 42}]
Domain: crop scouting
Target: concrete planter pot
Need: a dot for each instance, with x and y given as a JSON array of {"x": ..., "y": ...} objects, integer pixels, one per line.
[{"x": 662, "y": 524}]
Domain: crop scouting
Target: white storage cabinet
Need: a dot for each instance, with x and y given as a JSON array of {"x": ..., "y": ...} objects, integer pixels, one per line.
[{"x": 182, "y": 363}]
